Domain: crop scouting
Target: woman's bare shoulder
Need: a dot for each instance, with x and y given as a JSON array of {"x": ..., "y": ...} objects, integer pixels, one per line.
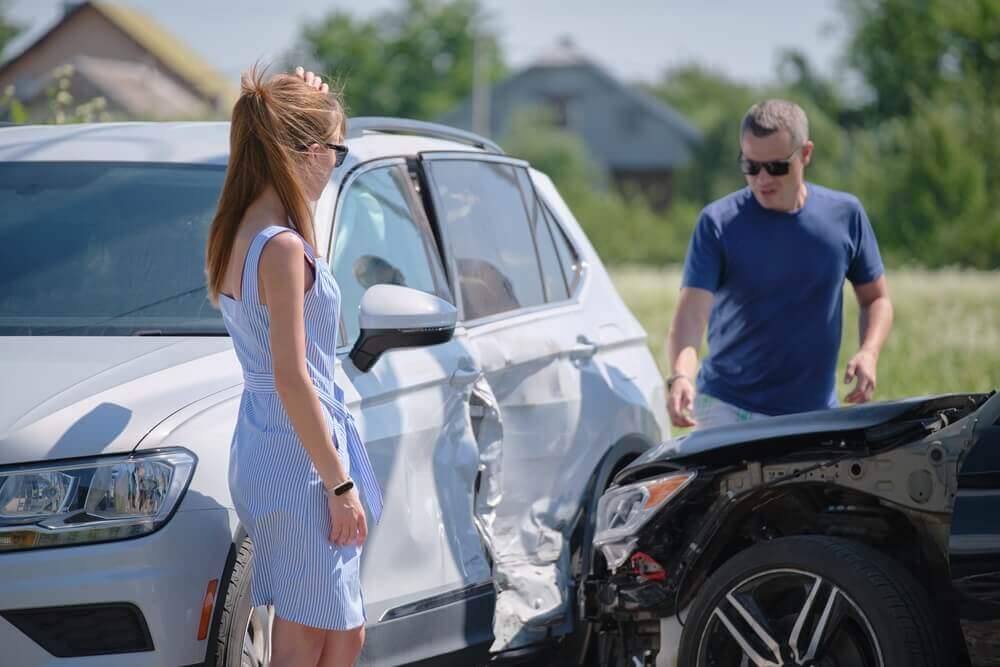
[{"x": 282, "y": 256}]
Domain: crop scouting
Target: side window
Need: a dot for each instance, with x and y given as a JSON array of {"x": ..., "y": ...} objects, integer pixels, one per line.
[
  {"x": 382, "y": 236},
  {"x": 567, "y": 255},
  {"x": 481, "y": 210},
  {"x": 552, "y": 273}
]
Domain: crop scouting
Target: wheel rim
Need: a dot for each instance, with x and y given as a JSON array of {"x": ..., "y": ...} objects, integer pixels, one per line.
[
  {"x": 785, "y": 618},
  {"x": 257, "y": 638}
]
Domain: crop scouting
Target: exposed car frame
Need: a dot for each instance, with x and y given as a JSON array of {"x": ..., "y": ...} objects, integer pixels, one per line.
[{"x": 916, "y": 482}]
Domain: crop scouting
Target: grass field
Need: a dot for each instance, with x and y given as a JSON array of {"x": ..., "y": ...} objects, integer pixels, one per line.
[{"x": 946, "y": 336}]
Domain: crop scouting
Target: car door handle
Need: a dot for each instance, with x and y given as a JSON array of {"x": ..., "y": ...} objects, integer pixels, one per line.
[
  {"x": 462, "y": 377},
  {"x": 584, "y": 349}
]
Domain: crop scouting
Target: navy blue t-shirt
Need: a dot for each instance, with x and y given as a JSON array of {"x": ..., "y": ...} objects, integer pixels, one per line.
[{"x": 778, "y": 280}]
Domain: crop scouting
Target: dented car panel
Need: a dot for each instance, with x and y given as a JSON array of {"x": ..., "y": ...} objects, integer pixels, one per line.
[
  {"x": 916, "y": 478},
  {"x": 568, "y": 381}
]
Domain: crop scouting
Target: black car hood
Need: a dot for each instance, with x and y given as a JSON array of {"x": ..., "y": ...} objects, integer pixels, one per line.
[{"x": 834, "y": 429}]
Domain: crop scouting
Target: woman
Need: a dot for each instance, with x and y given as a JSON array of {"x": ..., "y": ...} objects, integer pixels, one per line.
[{"x": 295, "y": 444}]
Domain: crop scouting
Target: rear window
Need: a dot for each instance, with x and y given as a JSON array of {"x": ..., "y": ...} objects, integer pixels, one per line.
[{"x": 106, "y": 248}]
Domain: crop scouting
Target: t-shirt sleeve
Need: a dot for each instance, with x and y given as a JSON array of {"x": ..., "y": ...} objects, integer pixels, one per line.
[
  {"x": 866, "y": 264},
  {"x": 703, "y": 265}
]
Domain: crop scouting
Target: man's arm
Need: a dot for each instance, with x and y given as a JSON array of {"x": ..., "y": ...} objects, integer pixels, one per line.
[
  {"x": 874, "y": 324},
  {"x": 683, "y": 343}
]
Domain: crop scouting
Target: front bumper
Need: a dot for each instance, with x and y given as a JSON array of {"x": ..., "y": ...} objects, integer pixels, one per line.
[{"x": 164, "y": 575}]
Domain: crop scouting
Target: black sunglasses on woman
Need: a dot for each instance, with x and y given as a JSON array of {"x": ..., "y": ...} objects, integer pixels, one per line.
[{"x": 340, "y": 149}]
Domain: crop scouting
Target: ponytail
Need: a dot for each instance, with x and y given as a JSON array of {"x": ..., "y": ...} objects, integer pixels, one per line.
[{"x": 270, "y": 121}]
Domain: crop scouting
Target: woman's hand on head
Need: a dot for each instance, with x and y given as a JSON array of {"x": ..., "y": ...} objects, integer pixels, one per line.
[
  {"x": 348, "y": 524},
  {"x": 312, "y": 80}
]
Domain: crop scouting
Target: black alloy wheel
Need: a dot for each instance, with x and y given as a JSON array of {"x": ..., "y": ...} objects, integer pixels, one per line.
[
  {"x": 811, "y": 602},
  {"x": 788, "y": 617}
]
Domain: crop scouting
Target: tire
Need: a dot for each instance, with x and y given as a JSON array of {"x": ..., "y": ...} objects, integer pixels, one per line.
[
  {"x": 243, "y": 633},
  {"x": 864, "y": 608}
]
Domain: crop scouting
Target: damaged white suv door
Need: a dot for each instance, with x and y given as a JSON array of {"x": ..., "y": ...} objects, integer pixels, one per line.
[
  {"x": 490, "y": 445},
  {"x": 514, "y": 274},
  {"x": 413, "y": 414}
]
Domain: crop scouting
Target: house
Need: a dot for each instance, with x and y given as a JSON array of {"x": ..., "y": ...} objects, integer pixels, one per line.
[
  {"x": 640, "y": 140},
  {"x": 122, "y": 55}
]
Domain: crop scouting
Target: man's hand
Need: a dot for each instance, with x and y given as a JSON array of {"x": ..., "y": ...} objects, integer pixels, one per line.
[
  {"x": 312, "y": 80},
  {"x": 863, "y": 367},
  {"x": 680, "y": 403}
]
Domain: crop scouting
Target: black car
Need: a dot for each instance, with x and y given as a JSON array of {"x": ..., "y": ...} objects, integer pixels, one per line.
[{"x": 858, "y": 536}]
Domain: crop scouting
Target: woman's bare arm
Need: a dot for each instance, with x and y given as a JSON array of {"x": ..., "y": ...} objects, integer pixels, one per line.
[{"x": 282, "y": 272}]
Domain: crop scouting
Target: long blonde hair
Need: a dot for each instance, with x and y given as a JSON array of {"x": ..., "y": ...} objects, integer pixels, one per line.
[{"x": 272, "y": 120}]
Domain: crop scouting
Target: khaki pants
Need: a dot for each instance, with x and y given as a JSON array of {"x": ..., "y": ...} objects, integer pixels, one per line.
[{"x": 710, "y": 411}]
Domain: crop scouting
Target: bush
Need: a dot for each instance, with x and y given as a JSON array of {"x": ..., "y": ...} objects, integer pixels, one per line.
[{"x": 621, "y": 225}]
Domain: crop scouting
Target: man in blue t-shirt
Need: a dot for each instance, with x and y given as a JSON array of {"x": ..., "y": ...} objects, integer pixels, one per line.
[{"x": 765, "y": 271}]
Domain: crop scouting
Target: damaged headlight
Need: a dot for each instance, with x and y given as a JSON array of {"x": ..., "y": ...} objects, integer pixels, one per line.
[
  {"x": 93, "y": 500},
  {"x": 622, "y": 511}
]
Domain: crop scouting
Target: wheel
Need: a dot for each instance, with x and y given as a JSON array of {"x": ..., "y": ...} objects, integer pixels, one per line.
[
  {"x": 812, "y": 601},
  {"x": 244, "y": 632}
]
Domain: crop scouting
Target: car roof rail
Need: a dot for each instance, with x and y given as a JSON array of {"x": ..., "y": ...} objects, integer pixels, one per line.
[{"x": 358, "y": 126}]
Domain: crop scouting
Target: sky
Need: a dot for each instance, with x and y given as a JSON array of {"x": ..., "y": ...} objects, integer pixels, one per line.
[{"x": 636, "y": 40}]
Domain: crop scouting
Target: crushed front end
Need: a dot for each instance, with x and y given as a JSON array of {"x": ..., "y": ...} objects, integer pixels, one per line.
[{"x": 885, "y": 475}]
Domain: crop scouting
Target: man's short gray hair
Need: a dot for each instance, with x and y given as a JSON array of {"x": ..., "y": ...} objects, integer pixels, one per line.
[{"x": 770, "y": 116}]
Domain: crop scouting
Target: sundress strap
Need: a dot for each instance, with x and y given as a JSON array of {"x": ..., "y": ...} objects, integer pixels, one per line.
[{"x": 248, "y": 290}]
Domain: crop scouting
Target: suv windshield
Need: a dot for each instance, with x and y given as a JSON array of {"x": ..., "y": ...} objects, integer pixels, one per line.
[{"x": 110, "y": 249}]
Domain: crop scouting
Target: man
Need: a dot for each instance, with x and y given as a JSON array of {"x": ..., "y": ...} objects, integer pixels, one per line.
[{"x": 765, "y": 271}]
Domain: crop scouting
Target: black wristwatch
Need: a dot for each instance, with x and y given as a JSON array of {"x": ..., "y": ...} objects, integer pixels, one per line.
[
  {"x": 677, "y": 376},
  {"x": 342, "y": 488}
]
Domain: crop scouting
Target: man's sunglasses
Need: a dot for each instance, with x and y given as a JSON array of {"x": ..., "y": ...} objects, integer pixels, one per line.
[
  {"x": 340, "y": 149},
  {"x": 773, "y": 167}
]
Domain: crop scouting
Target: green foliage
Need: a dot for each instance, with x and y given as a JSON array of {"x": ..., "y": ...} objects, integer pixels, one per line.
[
  {"x": 60, "y": 106},
  {"x": 622, "y": 226},
  {"x": 908, "y": 51},
  {"x": 64, "y": 109},
  {"x": 711, "y": 101},
  {"x": 8, "y": 29},
  {"x": 415, "y": 61},
  {"x": 11, "y": 109},
  {"x": 920, "y": 154}
]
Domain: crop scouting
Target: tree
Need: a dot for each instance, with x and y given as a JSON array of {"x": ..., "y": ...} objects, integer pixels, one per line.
[
  {"x": 8, "y": 29},
  {"x": 614, "y": 221},
  {"x": 715, "y": 104},
  {"x": 908, "y": 50},
  {"x": 415, "y": 62}
]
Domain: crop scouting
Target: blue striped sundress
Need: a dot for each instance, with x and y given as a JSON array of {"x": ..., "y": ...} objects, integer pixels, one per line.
[{"x": 276, "y": 491}]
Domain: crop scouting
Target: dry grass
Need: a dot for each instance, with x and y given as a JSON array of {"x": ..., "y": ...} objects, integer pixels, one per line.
[{"x": 946, "y": 336}]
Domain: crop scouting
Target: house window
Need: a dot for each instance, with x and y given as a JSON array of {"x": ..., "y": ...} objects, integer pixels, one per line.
[{"x": 559, "y": 106}]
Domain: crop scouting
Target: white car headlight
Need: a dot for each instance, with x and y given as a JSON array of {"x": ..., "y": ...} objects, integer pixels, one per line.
[
  {"x": 92, "y": 500},
  {"x": 622, "y": 511}
]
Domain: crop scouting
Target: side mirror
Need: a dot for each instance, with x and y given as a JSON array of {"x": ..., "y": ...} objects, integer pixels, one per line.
[{"x": 393, "y": 316}]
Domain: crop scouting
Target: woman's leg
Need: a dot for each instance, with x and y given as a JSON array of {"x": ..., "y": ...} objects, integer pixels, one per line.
[
  {"x": 294, "y": 644},
  {"x": 342, "y": 647}
]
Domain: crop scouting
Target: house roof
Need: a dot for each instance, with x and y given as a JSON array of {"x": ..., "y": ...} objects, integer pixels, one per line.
[
  {"x": 171, "y": 52},
  {"x": 664, "y": 138},
  {"x": 138, "y": 89}
]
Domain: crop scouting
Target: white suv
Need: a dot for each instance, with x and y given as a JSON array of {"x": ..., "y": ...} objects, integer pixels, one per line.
[{"x": 496, "y": 376}]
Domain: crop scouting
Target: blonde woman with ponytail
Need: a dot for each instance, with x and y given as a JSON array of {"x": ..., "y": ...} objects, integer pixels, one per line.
[{"x": 296, "y": 461}]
